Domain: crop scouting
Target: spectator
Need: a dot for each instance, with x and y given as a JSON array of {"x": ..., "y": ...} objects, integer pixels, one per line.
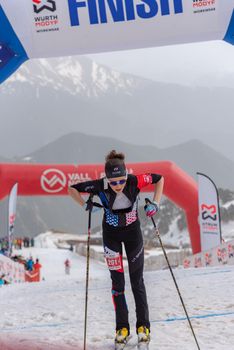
[
  {"x": 37, "y": 265},
  {"x": 32, "y": 242},
  {"x": 19, "y": 243},
  {"x": 26, "y": 242},
  {"x": 2, "y": 281},
  {"x": 30, "y": 264},
  {"x": 4, "y": 246},
  {"x": 67, "y": 264}
]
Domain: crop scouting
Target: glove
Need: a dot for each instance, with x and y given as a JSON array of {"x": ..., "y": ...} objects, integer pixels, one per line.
[
  {"x": 89, "y": 206},
  {"x": 151, "y": 208}
]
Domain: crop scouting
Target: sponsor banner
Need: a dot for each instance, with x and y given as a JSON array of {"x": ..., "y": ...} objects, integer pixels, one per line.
[
  {"x": 48, "y": 28},
  {"x": 32, "y": 276},
  {"x": 51, "y": 180},
  {"x": 210, "y": 227},
  {"x": 220, "y": 255},
  {"x": 12, "y": 213},
  {"x": 14, "y": 272}
]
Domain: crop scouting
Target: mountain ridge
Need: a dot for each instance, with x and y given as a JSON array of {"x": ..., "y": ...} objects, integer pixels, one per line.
[
  {"x": 192, "y": 156},
  {"x": 55, "y": 97}
]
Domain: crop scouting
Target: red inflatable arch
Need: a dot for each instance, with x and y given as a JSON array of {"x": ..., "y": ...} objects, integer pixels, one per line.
[{"x": 53, "y": 179}]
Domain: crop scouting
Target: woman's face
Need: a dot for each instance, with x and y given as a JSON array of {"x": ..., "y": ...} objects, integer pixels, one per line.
[{"x": 118, "y": 183}]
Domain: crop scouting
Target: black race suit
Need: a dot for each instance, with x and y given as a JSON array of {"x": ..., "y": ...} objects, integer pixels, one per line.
[{"x": 123, "y": 226}]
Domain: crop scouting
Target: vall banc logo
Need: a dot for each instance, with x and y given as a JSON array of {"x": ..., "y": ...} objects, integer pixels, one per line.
[{"x": 53, "y": 180}]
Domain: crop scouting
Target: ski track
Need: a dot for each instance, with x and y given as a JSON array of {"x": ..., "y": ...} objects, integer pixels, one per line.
[{"x": 50, "y": 314}]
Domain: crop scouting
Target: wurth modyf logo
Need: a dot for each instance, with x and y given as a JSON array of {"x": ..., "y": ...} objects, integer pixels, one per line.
[
  {"x": 202, "y": 6},
  {"x": 209, "y": 212},
  {"x": 40, "y": 5},
  {"x": 203, "y": 3},
  {"x": 53, "y": 180}
]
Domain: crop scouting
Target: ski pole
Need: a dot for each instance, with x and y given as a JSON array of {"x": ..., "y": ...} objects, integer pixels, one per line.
[
  {"x": 87, "y": 270},
  {"x": 147, "y": 201},
  {"x": 90, "y": 204}
]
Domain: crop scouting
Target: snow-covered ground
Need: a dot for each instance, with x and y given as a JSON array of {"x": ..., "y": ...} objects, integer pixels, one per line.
[{"x": 50, "y": 315}]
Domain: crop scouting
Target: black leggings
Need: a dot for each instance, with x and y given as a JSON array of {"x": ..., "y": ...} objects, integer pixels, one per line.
[{"x": 133, "y": 243}]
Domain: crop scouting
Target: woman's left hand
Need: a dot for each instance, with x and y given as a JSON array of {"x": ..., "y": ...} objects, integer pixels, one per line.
[{"x": 151, "y": 209}]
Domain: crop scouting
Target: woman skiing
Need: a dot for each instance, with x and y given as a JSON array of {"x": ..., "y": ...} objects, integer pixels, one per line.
[{"x": 118, "y": 192}]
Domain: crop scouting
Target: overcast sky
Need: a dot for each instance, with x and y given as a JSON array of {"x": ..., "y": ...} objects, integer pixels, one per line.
[{"x": 207, "y": 63}]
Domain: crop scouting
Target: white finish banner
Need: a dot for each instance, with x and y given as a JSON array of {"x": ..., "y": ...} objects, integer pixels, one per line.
[
  {"x": 209, "y": 219},
  {"x": 49, "y": 28}
]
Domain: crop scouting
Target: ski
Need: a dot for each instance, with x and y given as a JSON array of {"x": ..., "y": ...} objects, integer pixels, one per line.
[
  {"x": 123, "y": 345},
  {"x": 143, "y": 346},
  {"x": 120, "y": 346},
  {"x": 133, "y": 346}
]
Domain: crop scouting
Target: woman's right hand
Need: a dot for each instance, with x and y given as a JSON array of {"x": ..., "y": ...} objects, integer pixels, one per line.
[{"x": 88, "y": 205}]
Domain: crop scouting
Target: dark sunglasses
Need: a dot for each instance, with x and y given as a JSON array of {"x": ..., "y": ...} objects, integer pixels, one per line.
[{"x": 115, "y": 183}]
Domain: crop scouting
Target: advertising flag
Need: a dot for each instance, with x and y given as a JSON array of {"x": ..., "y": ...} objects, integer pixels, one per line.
[
  {"x": 209, "y": 213},
  {"x": 12, "y": 214}
]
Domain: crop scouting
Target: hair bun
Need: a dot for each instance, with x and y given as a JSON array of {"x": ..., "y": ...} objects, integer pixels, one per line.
[{"x": 114, "y": 155}]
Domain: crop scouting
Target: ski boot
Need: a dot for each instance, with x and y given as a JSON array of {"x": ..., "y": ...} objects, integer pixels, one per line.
[
  {"x": 121, "y": 338},
  {"x": 143, "y": 334}
]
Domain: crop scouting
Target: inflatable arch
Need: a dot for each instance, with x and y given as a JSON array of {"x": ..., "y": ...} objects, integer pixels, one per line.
[{"x": 53, "y": 179}]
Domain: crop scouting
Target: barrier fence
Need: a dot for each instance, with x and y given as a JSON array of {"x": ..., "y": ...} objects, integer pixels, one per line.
[
  {"x": 14, "y": 272},
  {"x": 218, "y": 256}
]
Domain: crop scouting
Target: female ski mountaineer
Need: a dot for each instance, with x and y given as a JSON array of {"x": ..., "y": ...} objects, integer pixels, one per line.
[{"x": 118, "y": 192}]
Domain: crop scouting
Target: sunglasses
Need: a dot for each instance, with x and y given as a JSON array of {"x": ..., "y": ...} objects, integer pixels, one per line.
[{"x": 116, "y": 183}]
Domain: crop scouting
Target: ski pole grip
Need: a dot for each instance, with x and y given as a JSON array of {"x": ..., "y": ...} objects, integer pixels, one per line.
[
  {"x": 91, "y": 196},
  {"x": 89, "y": 203},
  {"x": 147, "y": 201}
]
